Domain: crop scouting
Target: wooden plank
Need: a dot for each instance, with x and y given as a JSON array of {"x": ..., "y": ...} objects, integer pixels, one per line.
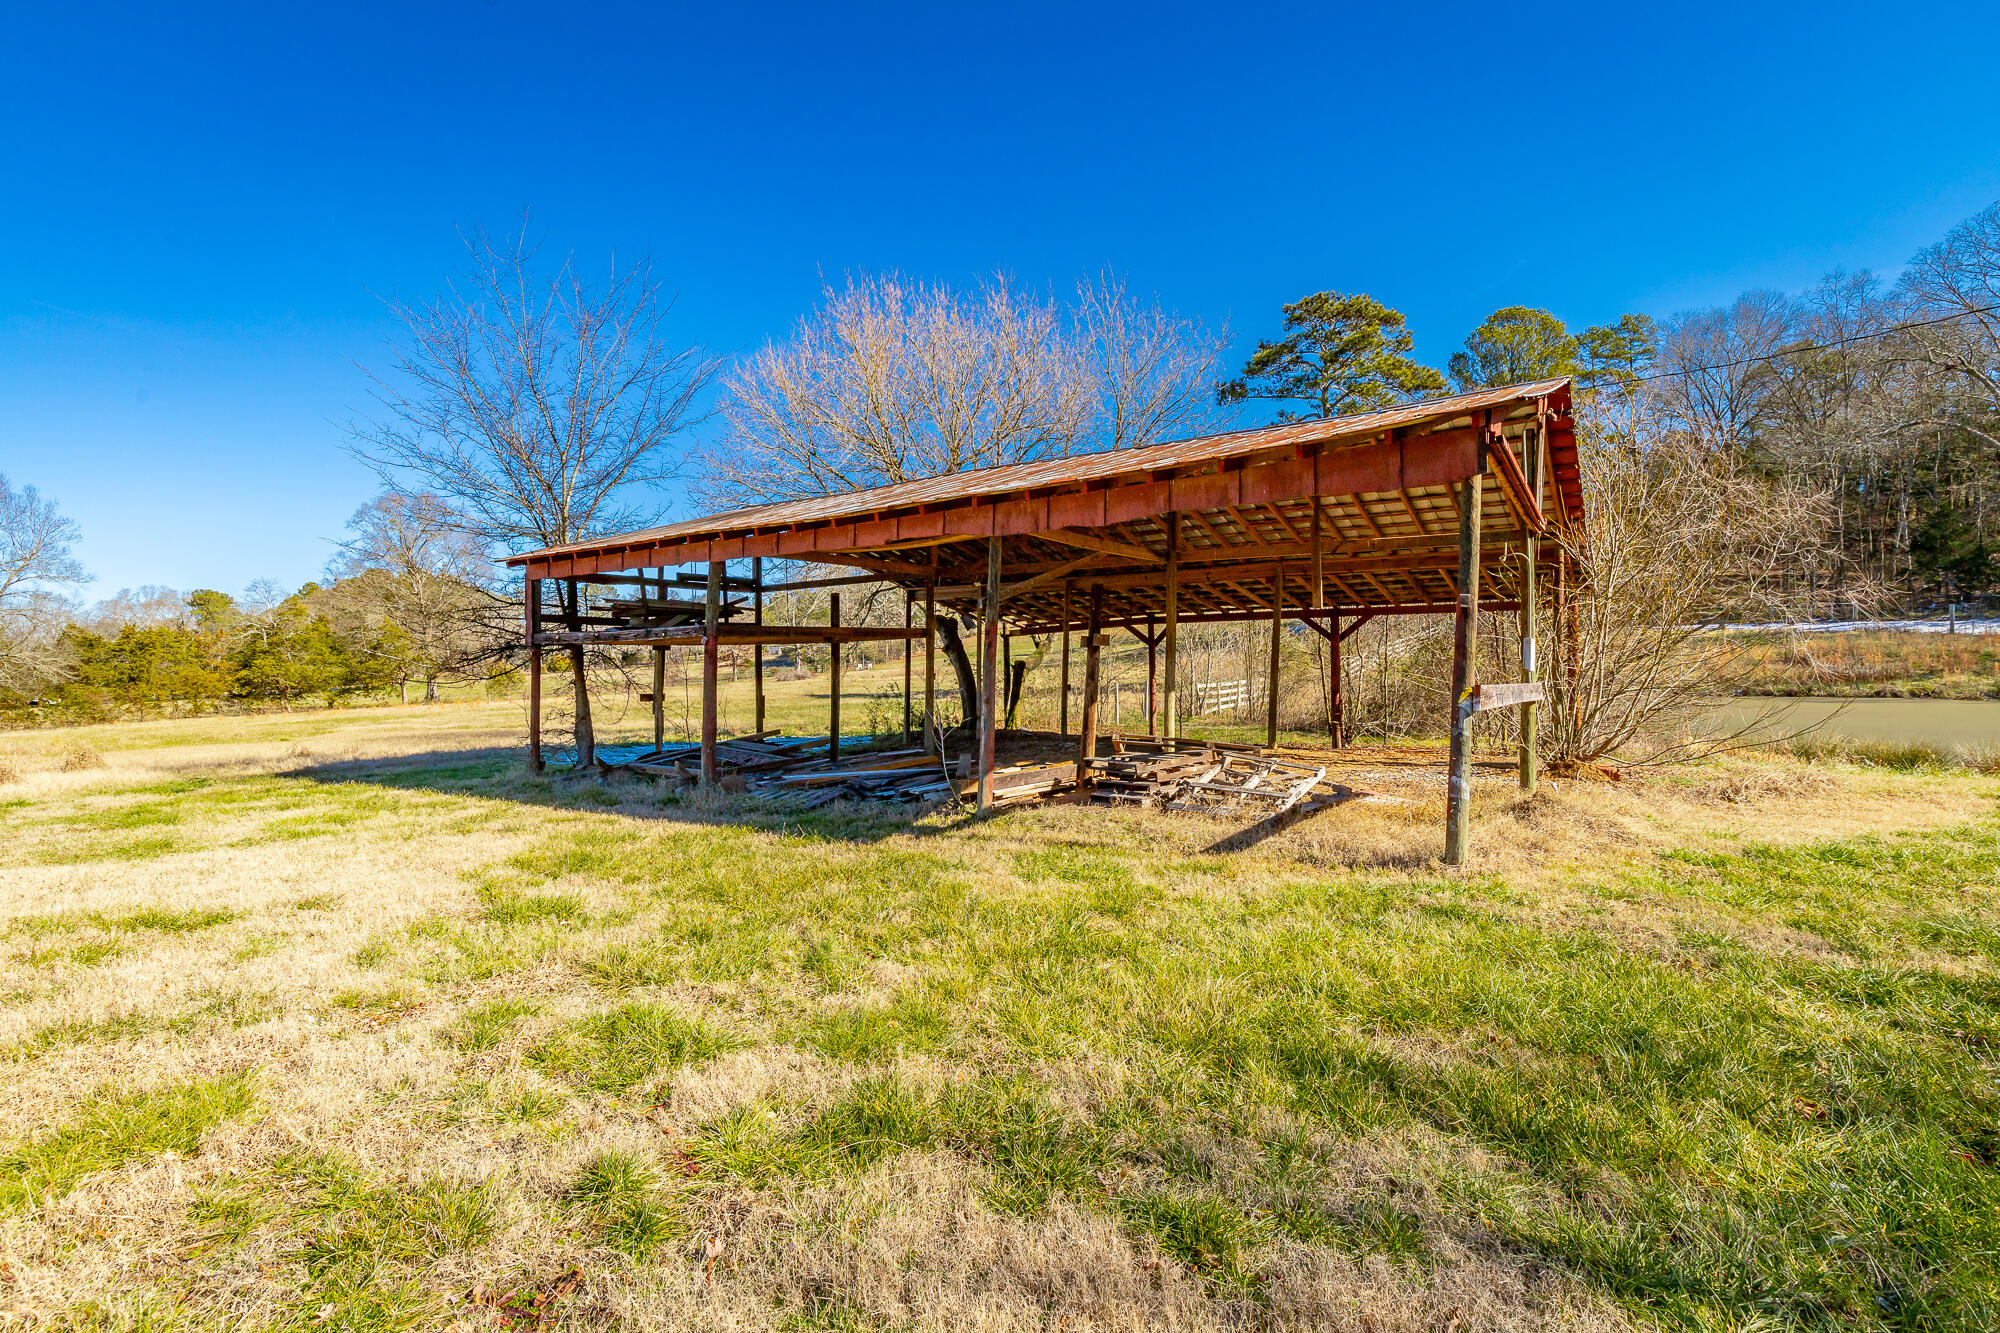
[
  {"x": 734, "y": 634},
  {"x": 1090, "y": 541},
  {"x": 1507, "y": 695}
]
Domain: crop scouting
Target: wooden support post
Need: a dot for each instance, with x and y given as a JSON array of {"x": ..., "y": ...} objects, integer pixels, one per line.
[
  {"x": 909, "y": 604},
  {"x": 1530, "y": 580},
  {"x": 659, "y": 696},
  {"x": 833, "y": 680},
  {"x": 1172, "y": 630},
  {"x": 1277, "y": 639},
  {"x": 1093, "y": 642},
  {"x": 1336, "y": 724},
  {"x": 1152, "y": 679},
  {"x": 1464, "y": 657},
  {"x": 989, "y": 673},
  {"x": 757, "y": 649},
  {"x": 534, "y": 615},
  {"x": 930, "y": 663},
  {"x": 1317, "y": 592},
  {"x": 711, "y": 618},
  {"x": 1063, "y": 723}
]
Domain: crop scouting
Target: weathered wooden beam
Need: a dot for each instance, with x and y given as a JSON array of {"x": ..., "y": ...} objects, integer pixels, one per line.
[
  {"x": 1093, "y": 651},
  {"x": 1277, "y": 638},
  {"x": 710, "y": 649},
  {"x": 532, "y": 602},
  {"x": 833, "y": 679},
  {"x": 989, "y": 671},
  {"x": 1486, "y": 697},
  {"x": 726, "y": 633},
  {"x": 757, "y": 653},
  {"x": 1464, "y": 658},
  {"x": 1090, "y": 541},
  {"x": 1172, "y": 629}
]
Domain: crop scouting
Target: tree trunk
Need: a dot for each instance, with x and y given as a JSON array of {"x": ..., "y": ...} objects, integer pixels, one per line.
[
  {"x": 961, "y": 665},
  {"x": 430, "y": 689},
  {"x": 586, "y": 740},
  {"x": 403, "y": 688}
]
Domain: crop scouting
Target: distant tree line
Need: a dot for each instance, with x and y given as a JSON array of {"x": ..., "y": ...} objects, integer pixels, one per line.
[
  {"x": 406, "y": 604},
  {"x": 531, "y": 406}
]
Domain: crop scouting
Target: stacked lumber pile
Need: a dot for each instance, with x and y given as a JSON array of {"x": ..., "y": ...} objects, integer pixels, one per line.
[
  {"x": 799, "y": 771},
  {"x": 1214, "y": 777}
]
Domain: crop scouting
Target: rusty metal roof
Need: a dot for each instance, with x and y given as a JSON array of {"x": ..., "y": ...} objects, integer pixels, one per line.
[{"x": 1076, "y": 469}]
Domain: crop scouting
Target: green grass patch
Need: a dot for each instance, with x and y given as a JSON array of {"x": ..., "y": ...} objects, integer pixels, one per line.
[
  {"x": 506, "y": 907},
  {"x": 619, "y": 1049},
  {"x": 113, "y": 1128},
  {"x": 620, "y": 1191},
  {"x": 168, "y": 920},
  {"x": 485, "y": 1026}
]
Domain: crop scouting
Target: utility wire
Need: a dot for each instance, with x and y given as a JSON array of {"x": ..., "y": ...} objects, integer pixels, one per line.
[{"x": 1816, "y": 347}]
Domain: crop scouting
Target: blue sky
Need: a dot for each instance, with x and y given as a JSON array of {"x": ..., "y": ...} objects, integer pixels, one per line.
[{"x": 202, "y": 205}]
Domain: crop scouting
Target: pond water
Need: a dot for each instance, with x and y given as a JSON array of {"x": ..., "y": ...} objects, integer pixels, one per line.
[{"x": 1961, "y": 723}]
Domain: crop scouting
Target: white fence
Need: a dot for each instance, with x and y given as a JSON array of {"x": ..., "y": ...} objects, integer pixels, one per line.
[{"x": 1218, "y": 696}]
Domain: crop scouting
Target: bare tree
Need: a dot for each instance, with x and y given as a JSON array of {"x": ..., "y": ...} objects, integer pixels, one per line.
[
  {"x": 149, "y": 606},
  {"x": 418, "y": 579},
  {"x": 1958, "y": 281},
  {"x": 37, "y": 575},
  {"x": 889, "y": 381},
  {"x": 1150, "y": 370},
  {"x": 1712, "y": 361},
  {"x": 536, "y": 403}
]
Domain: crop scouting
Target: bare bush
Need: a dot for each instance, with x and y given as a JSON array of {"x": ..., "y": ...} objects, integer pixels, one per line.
[
  {"x": 1677, "y": 536},
  {"x": 81, "y": 759}
]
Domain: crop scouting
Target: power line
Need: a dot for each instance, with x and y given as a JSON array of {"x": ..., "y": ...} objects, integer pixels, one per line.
[{"x": 1817, "y": 347}]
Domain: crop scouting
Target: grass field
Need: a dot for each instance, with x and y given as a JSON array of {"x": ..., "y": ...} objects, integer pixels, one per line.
[
  {"x": 340, "y": 1021},
  {"x": 1872, "y": 664}
]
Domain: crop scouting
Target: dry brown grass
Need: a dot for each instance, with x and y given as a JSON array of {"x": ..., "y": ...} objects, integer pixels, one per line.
[{"x": 354, "y": 1052}]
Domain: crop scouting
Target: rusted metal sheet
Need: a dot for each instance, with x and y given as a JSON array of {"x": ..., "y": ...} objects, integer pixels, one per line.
[{"x": 1349, "y": 455}]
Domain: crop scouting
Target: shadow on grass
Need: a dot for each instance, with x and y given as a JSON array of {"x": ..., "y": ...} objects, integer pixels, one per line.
[{"x": 499, "y": 773}]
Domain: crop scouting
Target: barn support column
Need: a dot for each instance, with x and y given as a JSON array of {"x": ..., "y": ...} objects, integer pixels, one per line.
[
  {"x": 833, "y": 679},
  {"x": 909, "y": 603},
  {"x": 1464, "y": 651},
  {"x": 659, "y": 696},
  {"x": 1172, "y": 631},
  {"x": 1062, "y": 724},
  {"x": 757, "y": 649},
  {"x": 989, "y": 672},
  {"x": 1336, "y": 726},
  {"x": 930, "y": 664},
  {"x": 1277, "y": 639},
  {"x": 1530, "y": 579},
  {"x": 1152, "y": 679},
  {"x": 711, "y": 617},
  {"x": 533, "y": 600},
  {"x": 1093, "y": 644}
]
